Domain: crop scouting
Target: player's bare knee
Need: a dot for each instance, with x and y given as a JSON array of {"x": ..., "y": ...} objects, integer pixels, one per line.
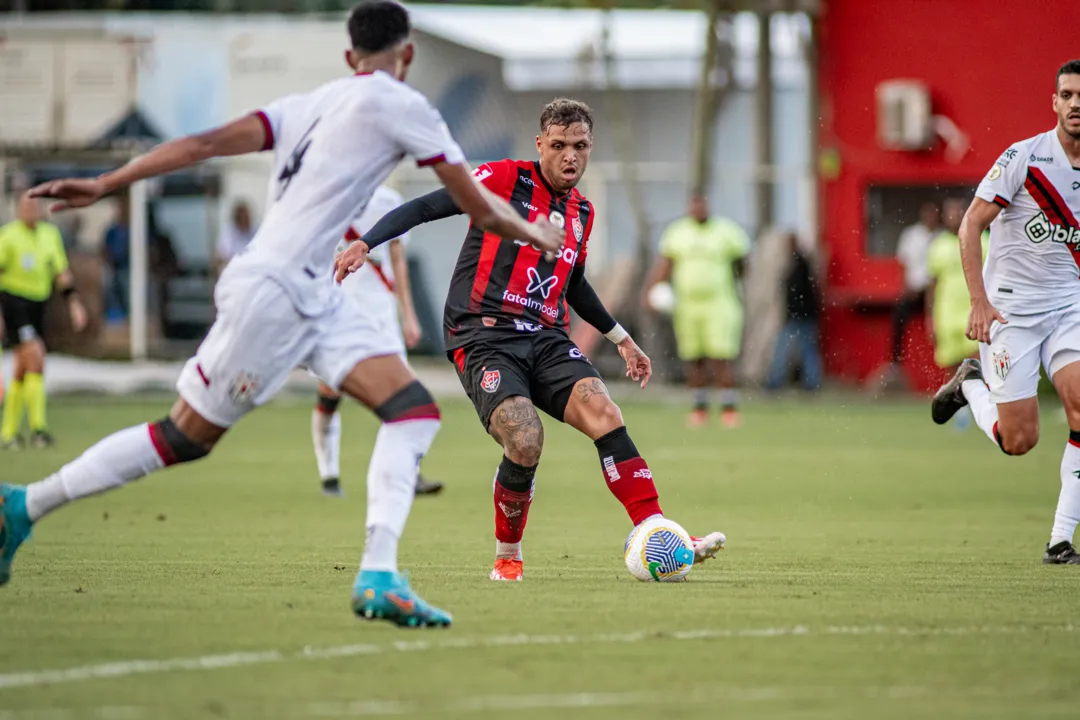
[
  {"x": 1019, "y": 441},
  {"x": 517, "y": 427},
  {"x": 609, "y": 417},
  {"x": 192, "y": 429}
]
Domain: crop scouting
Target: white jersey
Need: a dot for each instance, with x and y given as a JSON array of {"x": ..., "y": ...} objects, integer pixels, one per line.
[
  {"x": 333, "y": 147},
  {"x": 1034, "y": 262},
  {"x": 374, "y": 282}
]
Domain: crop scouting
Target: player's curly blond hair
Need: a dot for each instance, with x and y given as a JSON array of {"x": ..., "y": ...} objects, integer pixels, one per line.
[{"x": 565, "y": 112}]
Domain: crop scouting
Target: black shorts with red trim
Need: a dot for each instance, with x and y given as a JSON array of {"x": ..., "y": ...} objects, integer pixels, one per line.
[{"x": 542, "y": 366}]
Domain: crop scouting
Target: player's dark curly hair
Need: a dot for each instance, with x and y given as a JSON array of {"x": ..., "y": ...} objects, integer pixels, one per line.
[
  {"x": 565, "y": 112},
  {"x": 1070, "y": 68},
  {"x": 377, "y": 25}
]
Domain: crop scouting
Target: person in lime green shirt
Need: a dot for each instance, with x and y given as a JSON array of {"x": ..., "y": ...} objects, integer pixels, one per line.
[
  {"x": 948, "y": 297},
  {"x": 702, "y": 257},
  {"x": 32, "y": 263}
]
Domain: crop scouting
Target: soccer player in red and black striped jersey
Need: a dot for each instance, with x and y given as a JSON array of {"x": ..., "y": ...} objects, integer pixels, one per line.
[{"x": 506, "y": 319}]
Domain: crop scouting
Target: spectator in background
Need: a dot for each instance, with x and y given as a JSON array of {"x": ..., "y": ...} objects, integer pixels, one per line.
[
  {"x": 115, "y": 252},
  {"x": 801, "y": 332},
  {"x": 702, "y": 257},
  {"x": 912, "y": 251},
  {"x": 948, "y": 297},
  {"x": 234, "y": 237}
]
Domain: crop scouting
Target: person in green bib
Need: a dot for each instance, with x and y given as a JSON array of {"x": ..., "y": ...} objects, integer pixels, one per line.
[
  {"x": 702, "y": 257},
  {"x": 32, "y": 263},
  {"x": 948, "y": 297}
]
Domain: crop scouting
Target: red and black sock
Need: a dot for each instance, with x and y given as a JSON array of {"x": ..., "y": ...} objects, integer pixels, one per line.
[
  {"x": 628, "y": 476},
  {"x": 513, "y": 496}
]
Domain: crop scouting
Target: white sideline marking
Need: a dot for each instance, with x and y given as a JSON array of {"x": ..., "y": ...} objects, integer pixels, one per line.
[
  {"x": 500, "y": 703},
  {"x": 124, "y": 668}
]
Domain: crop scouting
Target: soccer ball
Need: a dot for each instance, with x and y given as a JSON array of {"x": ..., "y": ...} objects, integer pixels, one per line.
[
  {"x": 659, "y": 550},
  {"x": 662, "y": 298}
]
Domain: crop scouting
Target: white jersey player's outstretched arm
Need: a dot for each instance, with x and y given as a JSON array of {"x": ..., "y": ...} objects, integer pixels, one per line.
[
  {"x": 242, "y": 136},
  {"x": 976, "y": 220},
  {"x": 484, "y": 208},
  {"x": 489, "y": 211}
]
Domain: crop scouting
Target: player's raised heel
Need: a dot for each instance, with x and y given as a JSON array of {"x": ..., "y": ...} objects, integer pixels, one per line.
[
  {"x": 949, "y": 399},
  {"x": 14, "y": 527},
  {"x": 707, "y": 547},
  {"x": 383, "y": 595}
]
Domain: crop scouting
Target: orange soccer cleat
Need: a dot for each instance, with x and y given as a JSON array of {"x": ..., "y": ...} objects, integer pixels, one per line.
[{"x": 507, "y": 570}]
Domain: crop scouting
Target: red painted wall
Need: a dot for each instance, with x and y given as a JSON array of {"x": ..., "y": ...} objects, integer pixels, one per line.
[{"x": 990, "y": 67}]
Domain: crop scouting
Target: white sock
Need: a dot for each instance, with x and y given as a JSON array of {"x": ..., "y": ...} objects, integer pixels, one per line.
[
  {"x": 391, "y": 487},
  {"x": 1068, "y": 507},
  {"x": 984, "y": 410},
  {"x": 120, "y": 458},
  {"x": 508, "y": 551},
  {"x": 729, "y": 398},
  {"x": 326, "y": 436}
]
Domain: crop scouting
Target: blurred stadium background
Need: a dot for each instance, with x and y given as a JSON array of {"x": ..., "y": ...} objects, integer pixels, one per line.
[
  {"x": 862, "y": 577},
  {"x": 832, "y": 133}
]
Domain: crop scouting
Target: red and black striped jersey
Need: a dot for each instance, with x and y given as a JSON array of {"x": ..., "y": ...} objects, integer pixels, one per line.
[{"x": 508, "y": 283}]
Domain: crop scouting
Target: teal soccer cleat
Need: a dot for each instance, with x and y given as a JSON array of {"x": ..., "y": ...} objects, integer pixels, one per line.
[
  {"x": 14, "y": 526},
  {"x": 384, "y": 595}
]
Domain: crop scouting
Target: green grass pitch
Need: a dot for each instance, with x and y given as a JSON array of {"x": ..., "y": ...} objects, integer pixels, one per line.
[{"x": 877, "y": 565}]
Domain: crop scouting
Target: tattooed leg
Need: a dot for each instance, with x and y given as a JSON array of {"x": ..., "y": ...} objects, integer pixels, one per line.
[
  {"x": 516, "y": 426},
  {"x": 591, "y": 410}
]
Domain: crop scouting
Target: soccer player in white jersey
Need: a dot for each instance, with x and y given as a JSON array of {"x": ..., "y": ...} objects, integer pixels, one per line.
[
  {"x": 1025, "y": 302},
  {"x": 382, "y": 286},
  {"x": 278, "y": 307}
]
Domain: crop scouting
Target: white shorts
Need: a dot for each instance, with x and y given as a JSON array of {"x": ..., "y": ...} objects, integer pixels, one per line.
[
  {"x": 1011, "y": 361},
  {"x": 259, "y": 338}
]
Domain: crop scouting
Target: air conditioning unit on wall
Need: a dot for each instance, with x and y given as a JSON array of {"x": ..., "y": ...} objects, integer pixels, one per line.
[{"x": 904, "y": 116}]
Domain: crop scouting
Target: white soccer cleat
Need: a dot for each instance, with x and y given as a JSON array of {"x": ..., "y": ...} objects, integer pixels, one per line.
[{"x": 707, "y": 547}]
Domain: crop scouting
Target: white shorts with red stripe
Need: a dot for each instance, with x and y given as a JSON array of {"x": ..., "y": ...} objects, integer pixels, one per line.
[
  {"x": 259, "y": 338},
  {"x": 1011, "y": 361}
]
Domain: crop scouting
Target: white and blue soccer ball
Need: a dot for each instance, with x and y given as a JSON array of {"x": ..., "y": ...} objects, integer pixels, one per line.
[{"x": 659, "y": 550}]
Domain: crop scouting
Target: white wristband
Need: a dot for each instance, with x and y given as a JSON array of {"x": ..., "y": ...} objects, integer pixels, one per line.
[{"x": 616, "y": 334}]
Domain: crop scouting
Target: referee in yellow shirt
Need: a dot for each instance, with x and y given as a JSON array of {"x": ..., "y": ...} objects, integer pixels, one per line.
[{"x": 32, "y": 263}]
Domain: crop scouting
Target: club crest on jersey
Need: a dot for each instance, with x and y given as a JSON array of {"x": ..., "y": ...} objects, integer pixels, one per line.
[
  {"x": 579, "y": 231},
  {"x": 1001, "y": 363},
  {"x": 243, "y": 388},
  {"x": 489, "y": 383},
  {"x": 557, "y": 219},
  {"x": 488, "y": 321}
]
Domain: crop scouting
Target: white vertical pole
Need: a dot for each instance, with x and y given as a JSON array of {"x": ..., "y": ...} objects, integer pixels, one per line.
[{"x": 137, "y": 321}]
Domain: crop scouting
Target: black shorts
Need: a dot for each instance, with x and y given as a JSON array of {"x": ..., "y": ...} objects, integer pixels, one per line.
[
  {"x": 543, "y": 367},
  {"x": 24, "y": 319}
]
